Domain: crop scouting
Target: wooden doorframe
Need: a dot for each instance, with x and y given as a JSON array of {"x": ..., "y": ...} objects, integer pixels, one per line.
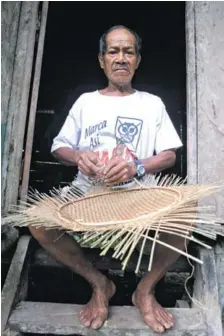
[
  {"x": 191, "y": 94},
  {"x": 23, "y": 21}
]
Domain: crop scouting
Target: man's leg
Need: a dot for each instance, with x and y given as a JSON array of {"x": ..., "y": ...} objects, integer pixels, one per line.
[
  {"x": 66, "y": 250},
  {"x": 152, "y": 313}
]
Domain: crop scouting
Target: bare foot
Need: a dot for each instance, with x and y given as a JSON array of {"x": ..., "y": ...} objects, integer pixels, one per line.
[
  {"x": 95, "y": 313},
  {"x": 154, "y": 315}
]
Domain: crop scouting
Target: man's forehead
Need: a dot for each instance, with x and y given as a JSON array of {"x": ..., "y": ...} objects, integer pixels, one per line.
[
  {"x": 120, "y": 36},
  {"x": 120, "y": 42}
]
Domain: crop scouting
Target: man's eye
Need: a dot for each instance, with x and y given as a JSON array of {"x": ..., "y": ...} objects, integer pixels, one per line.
[{"x": 112, "y": 52}]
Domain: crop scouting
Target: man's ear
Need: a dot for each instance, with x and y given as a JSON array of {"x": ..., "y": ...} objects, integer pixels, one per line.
[
  {"x": 101, "y": 60},
  {"x": 138, "y": 61}
]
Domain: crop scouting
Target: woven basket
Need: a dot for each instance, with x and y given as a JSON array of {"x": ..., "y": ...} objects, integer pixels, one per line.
[{"x": 123, "y": 218}]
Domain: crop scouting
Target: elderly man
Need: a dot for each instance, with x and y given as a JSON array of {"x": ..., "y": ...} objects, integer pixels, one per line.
[{"x": 140, "y": 122}]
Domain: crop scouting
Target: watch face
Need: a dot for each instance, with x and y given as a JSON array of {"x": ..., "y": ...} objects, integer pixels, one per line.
[{"x": 141, "y": 170}]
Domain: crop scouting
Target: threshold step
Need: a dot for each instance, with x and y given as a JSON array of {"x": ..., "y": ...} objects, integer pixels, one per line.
[{"x": 63, "y": 319}]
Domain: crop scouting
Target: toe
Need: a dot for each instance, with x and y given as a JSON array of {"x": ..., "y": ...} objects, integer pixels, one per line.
[
  {"x": 97, "y": 322},
  {"x": 167, "y": 317},
  {"x": 85, "y": 319},
  {"x": 153, "y": 323},
  {"x": 163, "y": 320},
  {"x": 86, "y": 322}
]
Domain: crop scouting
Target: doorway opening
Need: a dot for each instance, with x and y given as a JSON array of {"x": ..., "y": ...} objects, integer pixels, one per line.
[{"x": 70, "y": 68}]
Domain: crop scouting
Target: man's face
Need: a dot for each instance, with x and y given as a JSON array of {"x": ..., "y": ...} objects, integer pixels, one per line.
[{"x": 120, "y": 59}]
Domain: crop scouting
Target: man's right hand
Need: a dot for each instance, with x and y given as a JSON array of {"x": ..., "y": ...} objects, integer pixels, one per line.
[{"x": 88, "y": 163}]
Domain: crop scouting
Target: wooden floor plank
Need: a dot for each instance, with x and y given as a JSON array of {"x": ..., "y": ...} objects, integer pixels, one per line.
[
  {"x": 13, "y": 278},
  {"x": 62, "y": 319}
]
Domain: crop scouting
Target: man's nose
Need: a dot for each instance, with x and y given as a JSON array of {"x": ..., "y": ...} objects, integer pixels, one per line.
[{"x": 121, "y": 58}]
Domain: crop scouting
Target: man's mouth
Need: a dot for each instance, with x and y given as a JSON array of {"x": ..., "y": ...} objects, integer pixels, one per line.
[{"x": 121, "y": 70}]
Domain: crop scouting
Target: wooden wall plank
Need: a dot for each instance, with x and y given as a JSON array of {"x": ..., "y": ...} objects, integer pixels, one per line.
[
  {"x": 18, "y": 103},
  {"x": 10, "y": 20},
  {"x": 210, "y": 93}
]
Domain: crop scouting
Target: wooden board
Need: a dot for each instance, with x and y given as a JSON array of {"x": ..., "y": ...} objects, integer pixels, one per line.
[
  {"x": 192, "y": 104},
  {"x": 206, "y": 291},
  {"x": 33, "y": 102},
  {"x": 14, "y": 276},
  {"x": 219, "y": 258},
  {"x": 10, "y": 20},
  {"x": 62, "y": 319},
  {"x": 18, "y": 103}
]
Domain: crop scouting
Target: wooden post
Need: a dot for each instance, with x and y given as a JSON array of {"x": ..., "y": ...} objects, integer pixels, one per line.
[
  {"x": 205, "y": 99},
  {"x": 205, "y": 123},
  {"x": 206, "y": 292},
  {"x": 33, "y": 105},
  {"x": 192, "y": 117},
  {"x": 18, "y": 103}
]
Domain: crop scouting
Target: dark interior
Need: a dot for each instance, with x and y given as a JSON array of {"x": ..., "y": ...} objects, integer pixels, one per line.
[{"x": 70, "y": 67}]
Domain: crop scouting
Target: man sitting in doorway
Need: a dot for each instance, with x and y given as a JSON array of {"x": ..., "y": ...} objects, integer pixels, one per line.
[{"x": 140, "y": 120}]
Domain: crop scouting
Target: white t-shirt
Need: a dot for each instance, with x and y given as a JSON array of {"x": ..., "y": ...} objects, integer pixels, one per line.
[{"x": 138, "y": 122}]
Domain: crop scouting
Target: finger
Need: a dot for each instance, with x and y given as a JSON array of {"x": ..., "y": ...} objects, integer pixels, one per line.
[
  {"x": 113, "y": 162},
  {"x": 92, "y": 167},
  {"x": 85, "y": 169},
  {"x": 117, "y": 169},
  {"x": 92, "y": 157},
  {"x": 120, "y": 177}
]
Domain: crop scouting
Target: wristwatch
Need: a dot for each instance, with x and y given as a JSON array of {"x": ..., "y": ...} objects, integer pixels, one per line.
[{"x": 140, "y": 169}]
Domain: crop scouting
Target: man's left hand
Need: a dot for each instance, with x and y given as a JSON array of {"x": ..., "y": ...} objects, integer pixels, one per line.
[{"x": 118, "y": 170}]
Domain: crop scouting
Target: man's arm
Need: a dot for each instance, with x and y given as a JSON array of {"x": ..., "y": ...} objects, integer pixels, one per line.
[
  {"x": 66, "y": 156},
  {"x": 159, "y": 162},
  {"x": 87, "y": 161}
]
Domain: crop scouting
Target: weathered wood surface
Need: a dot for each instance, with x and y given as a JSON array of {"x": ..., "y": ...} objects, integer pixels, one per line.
[
  {"x": 62, "y": 319},
  {"x": 33, "y": 104},
  {"x": 210, "y": 89},
  {"x": 219, "y": 258},
  {"x": 10, "y": 11},
  {"x": 205, "y": 98},
  {"x": 12, "y": 282},
  {"x": 18, "y": 103},
  {"x": 10, "y": 332},
  {"x": 206, "y": 292},
  {"x": 205, "y": 101},
  {"x": 192, "y": 108}
]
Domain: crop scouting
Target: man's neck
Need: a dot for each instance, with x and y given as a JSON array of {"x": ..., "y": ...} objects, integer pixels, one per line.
[{"x": 117, "y": 90}]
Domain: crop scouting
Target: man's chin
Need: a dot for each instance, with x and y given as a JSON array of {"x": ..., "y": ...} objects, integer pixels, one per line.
[{"x": 122, "y": 82}]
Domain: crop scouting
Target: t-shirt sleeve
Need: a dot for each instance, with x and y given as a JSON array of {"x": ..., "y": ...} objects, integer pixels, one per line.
[
  {"x": 69, "y": 134},
  {"x": 166, "y": 135}
]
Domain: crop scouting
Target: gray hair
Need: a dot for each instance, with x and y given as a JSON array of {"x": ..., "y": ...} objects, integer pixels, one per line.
[{"x": 103, "y": 42}]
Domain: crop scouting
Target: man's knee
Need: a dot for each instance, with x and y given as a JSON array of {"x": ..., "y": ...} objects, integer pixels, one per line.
[{"x": 43, "y": 236}]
